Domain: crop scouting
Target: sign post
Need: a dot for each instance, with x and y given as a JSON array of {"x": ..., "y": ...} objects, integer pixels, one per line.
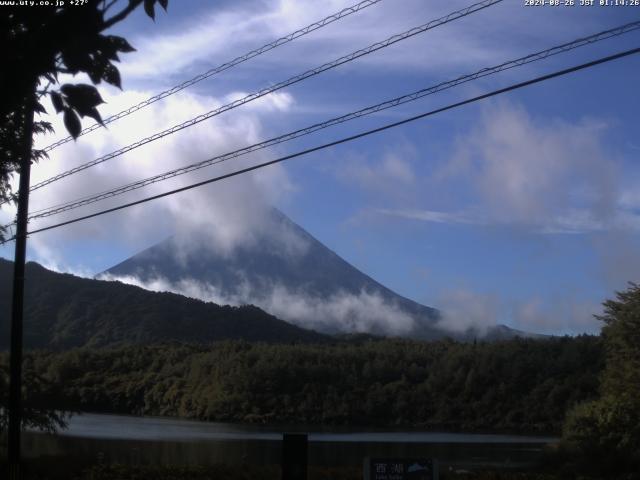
[{"x": 294, "y": 456}]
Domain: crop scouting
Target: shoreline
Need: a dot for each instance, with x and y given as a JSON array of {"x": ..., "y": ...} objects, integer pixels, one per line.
[{"x": 275, "y": 427}]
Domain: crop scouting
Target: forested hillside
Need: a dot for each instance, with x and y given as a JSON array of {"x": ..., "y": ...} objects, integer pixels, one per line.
[
  {"x": 518, "y": 385},
  {"x": 64, "y": 311}
]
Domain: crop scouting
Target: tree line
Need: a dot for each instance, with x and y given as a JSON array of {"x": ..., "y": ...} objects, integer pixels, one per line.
[{"x": 515, "y": 385}]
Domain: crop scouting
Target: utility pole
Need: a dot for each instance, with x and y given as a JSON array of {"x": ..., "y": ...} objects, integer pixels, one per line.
[{"x": 17, "y": 305}]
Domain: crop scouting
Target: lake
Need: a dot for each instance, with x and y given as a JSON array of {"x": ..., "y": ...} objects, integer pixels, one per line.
[{"x": 149, "y": 440}]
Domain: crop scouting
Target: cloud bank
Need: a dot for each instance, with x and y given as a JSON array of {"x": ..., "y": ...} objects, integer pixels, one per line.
[
  {"x": 553, "y": 177},
  {"x": 464, "y": 308},
  {"x": 341, "y": 312}
]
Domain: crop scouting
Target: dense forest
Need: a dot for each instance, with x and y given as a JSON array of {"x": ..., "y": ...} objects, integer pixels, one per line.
[{"x": 514, "y": 385}]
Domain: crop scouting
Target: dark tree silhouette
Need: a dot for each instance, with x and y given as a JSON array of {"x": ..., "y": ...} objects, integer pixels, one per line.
[
  {"x": 38, "y": 44},
  {"x": 606, "y": 432},
  {"x": 37, "y": 409}
]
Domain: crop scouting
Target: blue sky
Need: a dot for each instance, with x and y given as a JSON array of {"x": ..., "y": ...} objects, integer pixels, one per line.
[{"x": 523, "y": 210}]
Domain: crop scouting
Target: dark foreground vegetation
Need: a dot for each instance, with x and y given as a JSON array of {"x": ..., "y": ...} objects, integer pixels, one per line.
[
  {"x": 606, "y": 431},
  {"x": 517, "y": 385},
  {"x": 54, "y": 469}
]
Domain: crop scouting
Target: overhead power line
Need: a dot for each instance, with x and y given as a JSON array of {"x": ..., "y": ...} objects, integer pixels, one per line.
[
  {"x": 265, "y": 91},
  {"x": 80, "y": 202},
  {"x": 225, "y": 66},
  {"x": 347, "y": 139}
]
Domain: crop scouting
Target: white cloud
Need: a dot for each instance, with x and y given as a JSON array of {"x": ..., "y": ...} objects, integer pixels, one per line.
[
  {"x": 363, "y": 313},
  {"x": 51, "y": 259},
  {"x": 342, "y": 312},
  {"x": 220, "y": 33},
  {"x": 548, "y": 175},
  {"x": 572, "y": 221},
  {"x": 430, "y": 216},
  {"x": 393, "y": 172},
  {"x": 525, "y": 171},
  {"x": 566, "y": 315},
  {"x": 542, "y": 175},
  {"x": 230, "y": 211},
  {"x": 463, "y": 308},
  {"x": 630, "y": 197},
  {"x": 273, "y": 102},
  {"x": 619, "y": 261},
  {"x": 166, "y": 53}
]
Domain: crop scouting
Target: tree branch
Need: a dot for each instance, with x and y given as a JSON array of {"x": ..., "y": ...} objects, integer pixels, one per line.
[
  {"x": 44, "y": 91},
  {"x": 106, "y": 6},
  {"x": 124, "y": 13}
]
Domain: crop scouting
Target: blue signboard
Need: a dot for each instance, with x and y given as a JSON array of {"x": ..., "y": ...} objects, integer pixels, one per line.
[{"x": 400, "y": 469}]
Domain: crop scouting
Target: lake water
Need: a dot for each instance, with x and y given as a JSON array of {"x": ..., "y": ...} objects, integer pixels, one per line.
[{"x": 147, "y": 440}]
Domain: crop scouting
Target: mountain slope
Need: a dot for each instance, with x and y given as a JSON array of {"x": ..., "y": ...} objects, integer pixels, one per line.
[
  {"x": 290, "y": 274},
  {"x": 64, "y": 311}
]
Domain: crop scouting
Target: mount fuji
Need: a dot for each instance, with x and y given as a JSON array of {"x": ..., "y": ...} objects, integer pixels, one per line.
[{"x": 290, "y": 274}]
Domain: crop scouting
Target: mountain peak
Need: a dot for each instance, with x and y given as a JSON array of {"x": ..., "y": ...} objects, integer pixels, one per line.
[{"x": 286, "y": 271}]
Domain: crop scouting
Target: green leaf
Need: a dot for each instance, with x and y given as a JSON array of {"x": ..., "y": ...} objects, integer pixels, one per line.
[
  {"x": 112, "y": 75},
  {"x": 57, "y": 101},
  {"x": 93, "y": 113},
  {"x": 106, "y": 49},
  {"x": 42, "y": 127},
  {"x": 72, "y": 122},
  {"x": 84, "y": 99},
  {"x": 120, "y": 44},
  {"x": 75, "y": 59},
  {"x": 39, "y": 108},
  {"x": 149, "y": 8},
  {"x": 37, "y": 155},
  {"x": 96, "y": 69},
  {"x": 81, "y": 97}
]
